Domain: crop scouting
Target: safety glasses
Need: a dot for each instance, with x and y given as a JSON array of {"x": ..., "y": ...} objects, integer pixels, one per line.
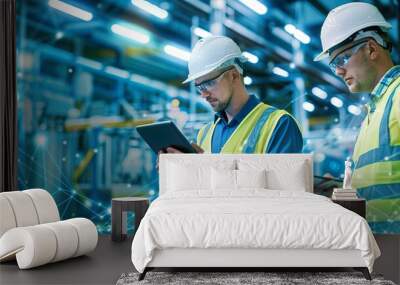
[
  {"x": 342, "y": 59},
  {"x": 210, "y": 83}
]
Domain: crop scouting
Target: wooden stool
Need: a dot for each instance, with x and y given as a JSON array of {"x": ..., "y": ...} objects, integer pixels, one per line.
[{"x": 119, "y": 209}]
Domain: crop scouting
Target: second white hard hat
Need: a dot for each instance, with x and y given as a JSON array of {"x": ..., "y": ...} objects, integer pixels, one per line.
[
  {"x": 346, "y": 20},
  {"x": 212, "y": 53}
]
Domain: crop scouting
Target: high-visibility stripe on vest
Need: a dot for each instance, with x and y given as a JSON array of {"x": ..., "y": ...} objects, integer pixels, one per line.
[
  {"x": 377, "y": 162},
  {"x": 251, "y": 136}
]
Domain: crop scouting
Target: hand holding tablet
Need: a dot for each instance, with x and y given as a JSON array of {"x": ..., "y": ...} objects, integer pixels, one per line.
[{"x": 163, "y": 135}]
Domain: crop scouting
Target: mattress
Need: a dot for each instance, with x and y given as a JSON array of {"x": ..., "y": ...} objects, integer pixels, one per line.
[{"x": 250, "y": 219}]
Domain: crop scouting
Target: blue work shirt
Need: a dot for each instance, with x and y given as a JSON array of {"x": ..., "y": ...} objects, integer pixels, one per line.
[{"x": 286, "y": 137}]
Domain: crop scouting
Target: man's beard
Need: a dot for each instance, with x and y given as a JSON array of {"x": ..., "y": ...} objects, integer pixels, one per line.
[{"x": 219, "y": 106}]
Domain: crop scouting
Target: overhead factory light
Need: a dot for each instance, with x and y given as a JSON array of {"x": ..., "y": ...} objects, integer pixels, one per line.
[
  {"x": 40, "y": 140},
  {"x": 89, "y": 63},
  {"x": 71, "y": 10},
  {"x": 150, "y": 8},
  {"x": 353, "y": 109},
  {"x": 319, "y": 93},
  {"x": 256, "y": 6},
  {"x": 290, "y": 29},
  {"x": 309, "y": 107},
  {"x": 251, "y": 57},
  {"x": 59, "y": 35},
  {"x": 280, "y": 71},
  {"x": 177, "y": 52},
  {"x": 117, "y": 72},
  {"x": 201, "y": 33},
  {"x": 297, "y": 33},
  {"x": 130, "y": 33},
  {"x": 335, "y": 101},
  {"x": 248, "y": 80},
  {"x": 302, "y": 36}
]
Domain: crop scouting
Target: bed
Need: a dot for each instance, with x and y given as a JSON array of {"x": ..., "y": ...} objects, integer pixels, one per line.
[{"x": 247, "y": 211}]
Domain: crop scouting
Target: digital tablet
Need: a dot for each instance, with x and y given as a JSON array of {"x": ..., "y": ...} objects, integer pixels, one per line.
[{"x": 165, "y": 134}]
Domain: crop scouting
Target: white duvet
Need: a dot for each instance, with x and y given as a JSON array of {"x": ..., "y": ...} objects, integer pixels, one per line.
[{"x": 250, "y": 219}]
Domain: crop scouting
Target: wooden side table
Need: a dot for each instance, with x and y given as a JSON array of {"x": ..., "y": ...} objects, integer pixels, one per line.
[
  {"x": 119, "y": 209},
  {"x": 356, "y": 205}
]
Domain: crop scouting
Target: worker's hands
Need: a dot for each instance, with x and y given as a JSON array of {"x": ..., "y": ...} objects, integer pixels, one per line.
[{"x": 196, "y": 147}]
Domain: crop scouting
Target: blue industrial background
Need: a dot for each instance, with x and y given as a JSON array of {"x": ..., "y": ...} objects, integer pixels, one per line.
[{"x": 90, "y": 71}]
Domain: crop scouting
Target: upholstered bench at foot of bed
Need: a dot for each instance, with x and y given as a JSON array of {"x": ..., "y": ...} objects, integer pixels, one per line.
[{"x": 44, "y": 243}]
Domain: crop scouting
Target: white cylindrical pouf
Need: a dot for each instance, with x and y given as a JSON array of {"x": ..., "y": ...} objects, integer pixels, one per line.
[
  {"x": 34, "y": 246},
  {"x": 7, "y": 217},
  {"x": 87, "y": 234},
  {"x": 46, "y": 207},
  {"x": 67, "y": 239},
  {"x": 23, "y": 207}
]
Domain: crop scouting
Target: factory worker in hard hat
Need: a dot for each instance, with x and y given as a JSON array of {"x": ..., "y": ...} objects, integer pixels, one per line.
[
  {"x": 356, "y": 44},
  {"x": 242, "y": 123}
]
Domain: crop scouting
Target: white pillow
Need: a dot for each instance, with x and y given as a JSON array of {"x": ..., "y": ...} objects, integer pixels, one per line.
[
  {"x": 193, "y": 175},
  {"x": 225, "y": 179},
  {"x": 283, "y": 174},
  {"x": 183, "y": 177},
  {"x": 295, "y": 180},
  {"x": 251, "y": 178}
]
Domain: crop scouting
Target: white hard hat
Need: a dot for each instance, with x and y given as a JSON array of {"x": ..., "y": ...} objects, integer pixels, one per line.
[
  {"x": 213, "y": 53},
  {"x": 345, "y": 20}
]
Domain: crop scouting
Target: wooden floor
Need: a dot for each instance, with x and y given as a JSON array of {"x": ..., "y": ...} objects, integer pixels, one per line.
[{"x": 103, "y": 266}]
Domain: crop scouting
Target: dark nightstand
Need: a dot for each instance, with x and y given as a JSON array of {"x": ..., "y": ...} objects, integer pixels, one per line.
[
  {"x": 355, "y": 205},
  {"x": 119, "y": 209}
]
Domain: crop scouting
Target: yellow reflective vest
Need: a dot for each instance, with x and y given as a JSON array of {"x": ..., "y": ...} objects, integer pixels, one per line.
[
  {"x": 251, "y": 136},
  {"x": 377, "y": 156}
]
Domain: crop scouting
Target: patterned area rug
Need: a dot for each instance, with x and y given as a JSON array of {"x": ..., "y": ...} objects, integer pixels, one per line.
[{"x": 229, "y": 278}]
